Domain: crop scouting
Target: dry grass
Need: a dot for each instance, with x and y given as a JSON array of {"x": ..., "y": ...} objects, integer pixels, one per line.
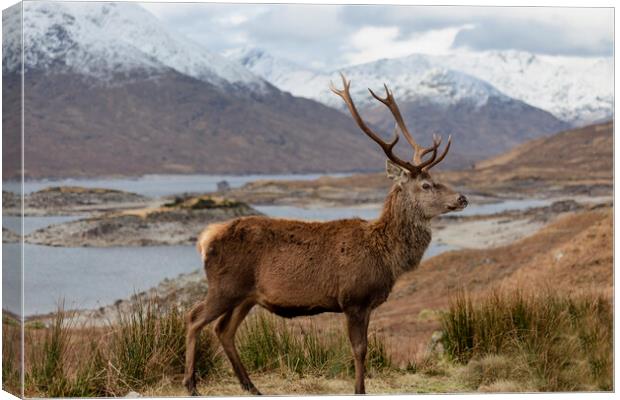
[
  {"x": 549, "y": 341},
  {"x": 144, "y": 351},
  {"x": 11, "y": 355}
]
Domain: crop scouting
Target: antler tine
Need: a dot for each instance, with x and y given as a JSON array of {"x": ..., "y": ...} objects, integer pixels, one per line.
[
  {"x": 417, "y": 164},
  {"x": 442, "y": 156},
  {"x": 390, "y": 102},
  {"x": 386, "y": 146}
]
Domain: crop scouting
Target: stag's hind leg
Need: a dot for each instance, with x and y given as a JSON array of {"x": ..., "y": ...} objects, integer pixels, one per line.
[
  {"x": 225, "y": 329},
  {"x": 198, "y": 317},
  {"x": 357, "y": 324}
]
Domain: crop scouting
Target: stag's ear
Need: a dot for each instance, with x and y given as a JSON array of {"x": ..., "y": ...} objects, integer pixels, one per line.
[{"x": 396, "y": 172}]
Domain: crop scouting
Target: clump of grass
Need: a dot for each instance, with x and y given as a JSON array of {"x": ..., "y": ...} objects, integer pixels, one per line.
[
  {"x": 148, "y": 343},
  {"x": 56, "y": 370},
  {"x": 145, "y": 346},
  {"x": 202, "y": 203},
  {"x": 11, "y": 355},
  {"x": 554, "y": 341},
  {"x": 429, "y": 364},
  {"x": 270, "y": 344}
]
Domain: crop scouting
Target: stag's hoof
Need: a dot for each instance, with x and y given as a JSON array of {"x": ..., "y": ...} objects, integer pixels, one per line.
[
  {"x": 249, "y": 387},
  {"x": 190, "y": 385}
]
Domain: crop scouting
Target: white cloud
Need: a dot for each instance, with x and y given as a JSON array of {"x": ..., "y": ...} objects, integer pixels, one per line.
[
  {"x": 232, "y": 19},
  {"x": 335, "y": 35},
  {"x": 371, "y": 43}
]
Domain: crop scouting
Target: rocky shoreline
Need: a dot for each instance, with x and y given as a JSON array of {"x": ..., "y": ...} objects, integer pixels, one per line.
[
  {"x": 71, "y": 200},
  {"x": 175, "y": 223}
]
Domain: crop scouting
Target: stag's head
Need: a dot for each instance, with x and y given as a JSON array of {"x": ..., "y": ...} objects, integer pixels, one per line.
[{"x": 430, "y": 197}]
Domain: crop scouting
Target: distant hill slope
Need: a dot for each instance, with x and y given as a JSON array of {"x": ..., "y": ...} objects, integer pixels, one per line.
[
  {"x": 588, "y": 149},
  {"x": 433, "y": 97},
  {"x": 578, "y": 161},
  {"x": 110, "y": 90},
  {"x": 172, "y": 123},
  {"x": 581, "y": 158},
  {"x": 571, "y": 254},
  {"x": 478, "y": 130}
]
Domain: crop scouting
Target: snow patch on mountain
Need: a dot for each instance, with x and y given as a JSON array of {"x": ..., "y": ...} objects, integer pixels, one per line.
[
  {"x": 104, "y": 39},
  {"x": 418, "y": 80},
  {"x": 577, "y": 90}
]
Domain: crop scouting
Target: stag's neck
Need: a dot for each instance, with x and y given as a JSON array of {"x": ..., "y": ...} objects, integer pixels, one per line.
[{"x": 402, "y": 232}]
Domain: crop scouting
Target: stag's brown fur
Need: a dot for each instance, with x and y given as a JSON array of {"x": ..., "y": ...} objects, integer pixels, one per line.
[
  {"x": 300, "y": 268},
  {"x": 294, "y": 268}
]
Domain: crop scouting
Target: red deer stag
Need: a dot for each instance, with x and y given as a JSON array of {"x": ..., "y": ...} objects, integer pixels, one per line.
[{"x": 295, "y": 268}]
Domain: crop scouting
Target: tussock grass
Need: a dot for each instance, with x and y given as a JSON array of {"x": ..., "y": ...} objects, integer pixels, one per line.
[
  {"x": 148, "y": 343},
  {"x": 11, "y": 355},
  {"x": 548, "y": 341},
  {"x": 267, "y": 343},
  {"x": 144, "y": 348},
  {"x": 58, "y": 366}
]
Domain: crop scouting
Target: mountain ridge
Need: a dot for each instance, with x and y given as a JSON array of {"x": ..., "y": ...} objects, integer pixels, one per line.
[
  {"x": 92, "y": 111},
  {"x": 103, "y": 40},
  {"x": 575, "y": 90}
]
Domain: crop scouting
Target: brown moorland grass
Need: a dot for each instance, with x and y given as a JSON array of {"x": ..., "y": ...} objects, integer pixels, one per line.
[
  {"x": 11, "y": 354},
  {"x": 144, "y": 349},
  {"x": 543, "y": 341}
]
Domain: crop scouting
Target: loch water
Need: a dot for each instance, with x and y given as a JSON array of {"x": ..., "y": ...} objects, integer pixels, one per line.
[{"x": 86, "y": 277}]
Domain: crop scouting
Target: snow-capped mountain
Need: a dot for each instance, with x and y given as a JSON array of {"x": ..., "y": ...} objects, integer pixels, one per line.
[
  {"x": 576, "y": 90},
  {"x": 415, "y": 81},
  {"x": 112, "y": 90},
  {"x": 105, "y": 40}
]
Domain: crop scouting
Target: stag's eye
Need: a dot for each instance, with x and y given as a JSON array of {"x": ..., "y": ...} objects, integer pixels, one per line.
[{"x": 426, "y": 186}]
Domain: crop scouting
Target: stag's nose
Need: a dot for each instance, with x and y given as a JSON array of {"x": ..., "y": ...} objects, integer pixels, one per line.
[{"x": 462, "y": 200}]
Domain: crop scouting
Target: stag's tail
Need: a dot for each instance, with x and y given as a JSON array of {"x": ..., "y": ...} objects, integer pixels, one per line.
[{"x": 207, "y": 236}]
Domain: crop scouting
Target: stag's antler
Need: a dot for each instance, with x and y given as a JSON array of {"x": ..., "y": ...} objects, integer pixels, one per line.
[{"x": 417, "y": 164}]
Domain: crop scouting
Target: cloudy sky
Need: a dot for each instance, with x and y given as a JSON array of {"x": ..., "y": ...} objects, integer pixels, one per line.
[{"x": 331, "y": 36}]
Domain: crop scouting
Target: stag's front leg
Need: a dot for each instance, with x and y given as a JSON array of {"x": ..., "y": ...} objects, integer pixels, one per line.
[{"x": 357, "y": 325}]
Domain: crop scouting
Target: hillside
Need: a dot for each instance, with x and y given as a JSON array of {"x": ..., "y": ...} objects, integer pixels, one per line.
[
  {"x": 109, "y": 90},
  {"x": 573, "y": 162},
  {"x": 433, "y": 98},
  {"x": 578, "y": 160},
  {"x": 171, "y": 123},
  {"x": 479, "y": 130},
  {"x": 571, "y": 254}
]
